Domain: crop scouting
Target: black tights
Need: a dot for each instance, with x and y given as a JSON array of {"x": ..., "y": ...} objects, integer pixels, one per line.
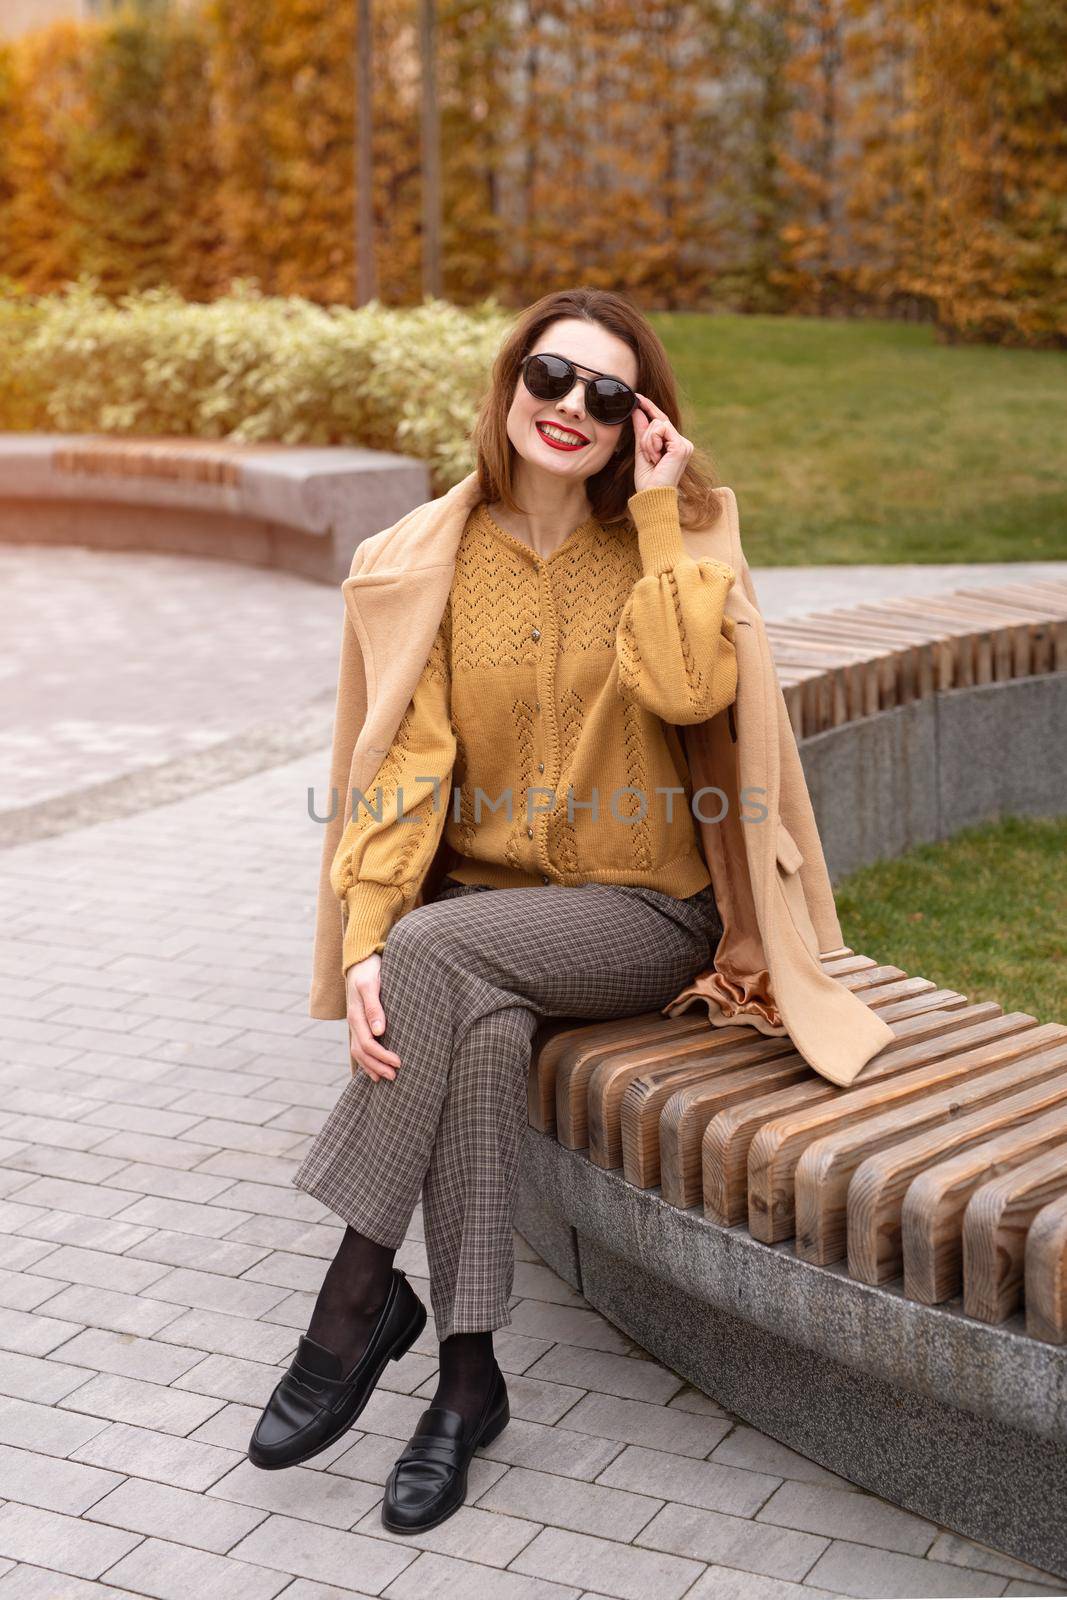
[{"x": 353, "y": 1292}]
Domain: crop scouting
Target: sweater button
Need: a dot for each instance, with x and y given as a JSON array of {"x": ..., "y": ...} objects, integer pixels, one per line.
[
  {"x": 529, "y": 833},
  {"x": 537, "y": 705},
  {"x": 544, "y": 877},
  {"x": 536, "y": 634},
  {"x": 540, "y": 766}
]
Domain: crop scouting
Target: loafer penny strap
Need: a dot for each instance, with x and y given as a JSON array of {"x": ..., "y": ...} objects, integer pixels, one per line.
[{"x": 431, "y": 1447}]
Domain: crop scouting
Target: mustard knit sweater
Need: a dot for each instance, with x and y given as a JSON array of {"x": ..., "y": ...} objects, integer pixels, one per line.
[{"x": 546, "y": 714}]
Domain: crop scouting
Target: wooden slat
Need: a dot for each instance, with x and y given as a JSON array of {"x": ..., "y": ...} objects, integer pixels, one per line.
[
  {"x": 576, "y": 1065},
  {"x": 711, "y": 1053},
  {"x": 572, "y": 1045},
  {"x": 729, "y": 1135},
  {"x": 1045, "y": 1293},
  {"x": 902, "y": 670},
  {"x": 687, "y": 1112},
  {"x": 931, "y": 1218},
  {"x": 877, "y": 1190},
  {"x": 626, "y": 1100},
  {"x": 732, "y": 1078},
  {"x": 825, "y": 1199},
  {"x": 995, "y": 1226},
  {"x": 779, "y": 1145}
]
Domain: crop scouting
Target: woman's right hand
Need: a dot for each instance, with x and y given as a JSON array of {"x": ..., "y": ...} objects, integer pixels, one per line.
[{"x": 365, "y": 1017}]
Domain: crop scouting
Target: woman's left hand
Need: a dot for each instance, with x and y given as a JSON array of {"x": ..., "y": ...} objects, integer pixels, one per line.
[{"x": 660, "y": 451}]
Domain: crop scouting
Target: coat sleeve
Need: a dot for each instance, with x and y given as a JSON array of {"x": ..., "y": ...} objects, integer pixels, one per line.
[
  {"x": 673, "y": 644},
  {"x": 393, "y": 831}
]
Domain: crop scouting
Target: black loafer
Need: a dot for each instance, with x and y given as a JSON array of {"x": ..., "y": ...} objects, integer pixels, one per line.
[
  {"x": 429, "y": 1479},
  {"x": 314, "y": 1404}
]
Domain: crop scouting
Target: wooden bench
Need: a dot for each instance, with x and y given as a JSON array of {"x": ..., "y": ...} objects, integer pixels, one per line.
[
  {"x": 891, "y": 1255},
  {"x": 836, "y": 666},
  {"x": 931, "y": 1168}
]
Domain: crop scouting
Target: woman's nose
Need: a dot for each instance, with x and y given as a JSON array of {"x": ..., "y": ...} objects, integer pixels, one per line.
[{"x": 575, "y": 400}]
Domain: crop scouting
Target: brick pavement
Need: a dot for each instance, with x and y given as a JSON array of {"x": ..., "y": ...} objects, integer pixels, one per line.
[{"x": 161, "y": 1081}]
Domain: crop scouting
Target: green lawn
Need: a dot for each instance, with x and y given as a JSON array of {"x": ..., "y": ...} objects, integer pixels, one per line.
[
  {"x": 985, "y": 913},
  {"x": 850, "y": 441}
]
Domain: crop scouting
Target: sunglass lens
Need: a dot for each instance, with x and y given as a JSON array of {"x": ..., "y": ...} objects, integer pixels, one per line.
[
  {"x": 610, "y": 400},
  {"x": 548, "y": 377}
]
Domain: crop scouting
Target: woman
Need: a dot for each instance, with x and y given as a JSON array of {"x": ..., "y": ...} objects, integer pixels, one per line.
[{"x": 542, "y": 742}]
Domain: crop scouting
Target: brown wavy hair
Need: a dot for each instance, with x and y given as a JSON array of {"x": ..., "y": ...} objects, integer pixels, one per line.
[{"x": 610, "y": 488}]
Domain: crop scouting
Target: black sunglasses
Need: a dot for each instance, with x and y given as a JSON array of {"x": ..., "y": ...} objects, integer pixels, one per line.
[{"x": 607, "y": 399}]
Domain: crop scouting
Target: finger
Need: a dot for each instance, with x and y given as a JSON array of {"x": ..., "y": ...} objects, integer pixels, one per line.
[
  {"x": 370, "y": 1050},
  {"x": 370, "y": 999},
  {"x": 656, "y": 410}
]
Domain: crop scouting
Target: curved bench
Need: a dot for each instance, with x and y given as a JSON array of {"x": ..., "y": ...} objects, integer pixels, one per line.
[
  {"x": 301, "y": 508},
  {"x": 877, "y": 1275}
]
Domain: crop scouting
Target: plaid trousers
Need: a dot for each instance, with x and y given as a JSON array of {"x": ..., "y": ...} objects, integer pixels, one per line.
[{"x": 464, "y": 981}]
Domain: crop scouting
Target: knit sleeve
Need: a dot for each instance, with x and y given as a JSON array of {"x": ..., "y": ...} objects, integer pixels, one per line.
[
  {"x": 673, "y": 643},
  {"x": 389, "y": 841}
]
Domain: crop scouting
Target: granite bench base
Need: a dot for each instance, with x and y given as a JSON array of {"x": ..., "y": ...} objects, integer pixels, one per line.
[{"x": 953, "y": 1419}]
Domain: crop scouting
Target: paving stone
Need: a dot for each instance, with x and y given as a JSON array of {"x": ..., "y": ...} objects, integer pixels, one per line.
[
  {"x": 557, "y": 1449},
  {"x": 226, "y": 1335},
  {"x": 690, "y": 1399},
  {"x": 179, "y": 1215},
  {"x": 469, "y": 1534},
  {"x": 214, "y": 1291},
  {"x": 613, "y": 1569},
  {"x": 84, "y": 1199},
  {"x": 230, "y": 1378},
  {"x": 568, "y": 1325},
  {"x": 18, "y": 1254},
  {"x": 32, "y": 1378},
  {"x": 161, "y": 1457},
  {"x": 733, "y": 1541},
  {"x": 193, "y": 1250},
  {"x": 728, "y": 1583},
  {"x": 856, "y": 1516},
  {"x": 634, "y": 1422},
  {"x": 170, "y": 1571},
  {"x": 326, "y": 1554},
  {"x": 585, "y": 1507},
  {"x": 69, "y": 1544},
  {"x": 318, "y": 1497},
  {"x": 110, "y": 1308},
  {"x": 27, "y": 1425},
  {"x": 51, "y": 1483},
  {"x": 606, "y": 1373},
  {"x": 104, "y": 1350},
  {"x": 441, "y": 1577},
  {"x": 744, "y": 1447},
  {"x": 696, "y": 1483},
  {"x": 231, "y": 1428},
  {"x": 94, "y": 1233},
  {"x": 26, "y": 1582},
  {"x": 868, "y": 1574},
  {"x": 34, "y": 1335},
  {"x": 160, "y": 1149},
  {"x": 176, "y": 1514},
  {"x": 146, "y": 1405},
  {"x": 101, "y": 1269},
  {"x": 25, "y": 1291},
  {"x": 961, "y": 1552},
  {"x": 301, "y": 1589}
]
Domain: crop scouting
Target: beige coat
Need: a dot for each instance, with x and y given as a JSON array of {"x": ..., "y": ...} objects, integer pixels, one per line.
[{"x": 765, "y": 858}]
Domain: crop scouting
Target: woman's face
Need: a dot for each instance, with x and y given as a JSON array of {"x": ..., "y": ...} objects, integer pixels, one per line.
[{"x": 587, "y": 445}]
